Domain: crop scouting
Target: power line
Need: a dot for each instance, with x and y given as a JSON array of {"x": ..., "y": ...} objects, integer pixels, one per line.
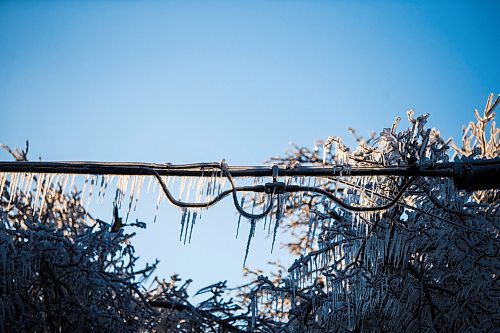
[
  {"x": 474, "y": 174},
  {"x": 469, "y": 175}
]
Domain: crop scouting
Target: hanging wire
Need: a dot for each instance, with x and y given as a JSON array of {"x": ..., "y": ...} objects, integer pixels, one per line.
[{"x": 218, "y": 198}]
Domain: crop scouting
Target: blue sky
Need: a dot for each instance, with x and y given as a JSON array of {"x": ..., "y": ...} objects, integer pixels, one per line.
[{"x": 198, "y": 81}]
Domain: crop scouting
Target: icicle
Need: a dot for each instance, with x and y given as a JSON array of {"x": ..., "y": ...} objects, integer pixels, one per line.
[
  {"x": 119, "y": 185},
  {"x": 131, "y": 197},
  {"x": 149, "y": 183},
  {"x": 253, "y": 305},
  {"x": 215, "y": 183},
  {"x": 262, "y": 200},
  {"x": 108, "y": 179},
  {"x": 12, "y": 187},
  {"x": 325, "y": 147},
  {"x": 188, "y": 191},
  {"x": 250, "y": 235},
  {"x": 158, "y": 201},
  {"x": 125, "y": 188},
  {"x": 270, "y": 220},
  {"x": 20, "y": 184},
  {"x": 254, "y": 200},
  {"x": 91, "y": 190},
  {"x": 3, "y": 177},
  {"x": 101, "y": 186},
  {"x": 48, "y": 184},
  {"x": 199, "y": 188},
  {"x": 187, "y": 222},
  {"x": 139, "y": 188},
  {"x": 314, "y": 229},
  {"x": 183, "y": 219},
  {"x": 278, "y": 218},
  {"x": 223, "y": 184},
  {"x": 159, "y": 197},
  {"x": 40, "y": 180},
  {"x": 239, "y": 219},
  {"x": 104, "y": 186},
  {"x": 209, "y": 185},
  {"x": 165, "y": 180},
  {"x": 13, "y": 184},
  {"x": 219, "y": 183},
  {"x": 282, "y": 296},
  {"x": 276, "y": 305},
  {"x": 155, "y": 184},
  {"x": 195, "y": 213},
  {"x": 309, "y": 229},
  {"x": 72, "y": 183},
  {"x": 265, "y": 219},
  {"x": 82, "y": 198},
  {"x": 3, "y": 182},
  {"x": 64, "y": 183},
  {"x": 28, "y": 188},
  {"x": 316, "y": 278},
  {"x": 58, "y": 182},
  {"x": 302, "y": 181},
  {"x": 169, "y": 179},
  {"x": 309, "y": 270},
  {"x": 181, "y": 189}
]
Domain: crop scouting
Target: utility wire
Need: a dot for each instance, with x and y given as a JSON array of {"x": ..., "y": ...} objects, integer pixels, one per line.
[
  {"x": 476, "y": 174},
  {"x": 457, "y": 170}
]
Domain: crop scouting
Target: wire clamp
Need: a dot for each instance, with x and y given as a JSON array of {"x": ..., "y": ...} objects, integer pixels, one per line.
[{"x": 275, "y": 187}]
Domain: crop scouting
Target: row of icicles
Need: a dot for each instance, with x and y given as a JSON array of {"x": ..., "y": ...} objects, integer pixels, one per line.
[{"x": 34, "y": 188}]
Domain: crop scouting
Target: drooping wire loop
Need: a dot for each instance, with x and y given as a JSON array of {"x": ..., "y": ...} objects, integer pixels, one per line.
[{"x": 272, "y": 189}]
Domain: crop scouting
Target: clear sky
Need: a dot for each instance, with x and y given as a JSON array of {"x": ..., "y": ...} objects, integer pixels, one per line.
[{"x": 178, "y": 81}]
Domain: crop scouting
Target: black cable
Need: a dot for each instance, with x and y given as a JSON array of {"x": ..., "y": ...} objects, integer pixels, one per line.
[
  {"x": 235, "y": 198},
  {"x": 197, "y": 169}
]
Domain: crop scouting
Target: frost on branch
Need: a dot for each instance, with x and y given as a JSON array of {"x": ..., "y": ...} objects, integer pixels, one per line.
[
  {"x": 61, "y": 270},
  {"x": 429, "y": 263}
]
